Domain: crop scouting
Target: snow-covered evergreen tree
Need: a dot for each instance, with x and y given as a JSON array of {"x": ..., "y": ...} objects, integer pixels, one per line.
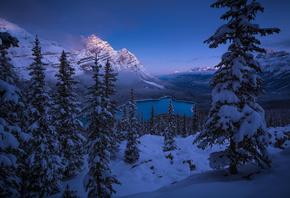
[
  {"x": 10, "y": 134},
  {"x": 178, "y": 125},
  {"x": 132, "y": 152},
  {"x": 235, "y": 115},
  {"x": 99, "y": 180},
  {"x": 110, "y": 77},
  {"x": 6, "y": 68},
  {"x": 169, "y": 132},
  {"x": 42, "y": 174},
  {"x": 152, "y": 123},
  {"x": 124, "y": 125},
  {"x": 142, "y": 125},
  {"x": 184, "y": 127},
  {"x": 9, "y": 144},
  {"x": 68, "y": 127},
  {"x": 195, "y": 120},
  {"x": 161, "y": 124},
  {"x": 69, "y": 193}
]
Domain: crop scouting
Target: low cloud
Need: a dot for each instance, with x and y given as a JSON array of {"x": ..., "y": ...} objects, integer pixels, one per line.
[{"x": 72, "y": 42}]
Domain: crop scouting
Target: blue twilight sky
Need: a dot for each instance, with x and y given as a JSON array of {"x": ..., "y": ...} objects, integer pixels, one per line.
[{"x": 165, "y": 35}]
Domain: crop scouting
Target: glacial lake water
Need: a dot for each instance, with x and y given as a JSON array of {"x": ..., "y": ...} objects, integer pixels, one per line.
[{"x": 160, "y": 106}]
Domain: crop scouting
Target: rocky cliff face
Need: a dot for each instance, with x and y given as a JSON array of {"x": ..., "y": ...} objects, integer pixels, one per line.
[
  {"x": 275, "y": 62},
  {"x": 121, "y": 60}
]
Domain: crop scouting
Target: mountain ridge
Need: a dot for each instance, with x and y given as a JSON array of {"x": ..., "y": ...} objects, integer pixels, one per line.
[
  {"x": 80, "y": 59},
  {"x": 131, "y": 72}
]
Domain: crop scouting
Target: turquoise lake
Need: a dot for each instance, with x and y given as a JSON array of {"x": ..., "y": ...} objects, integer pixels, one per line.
[{"x": 161, "y": 106}]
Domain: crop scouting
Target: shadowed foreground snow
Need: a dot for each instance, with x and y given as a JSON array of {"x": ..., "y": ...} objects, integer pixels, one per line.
[{"x": 154, "y": 175}]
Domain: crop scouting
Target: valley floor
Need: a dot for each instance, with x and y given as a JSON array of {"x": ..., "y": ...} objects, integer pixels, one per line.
[{"x": 154, "y": 175}]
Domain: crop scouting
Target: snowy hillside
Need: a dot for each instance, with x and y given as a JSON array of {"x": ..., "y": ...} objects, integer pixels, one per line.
[
  {"x": 168, "y": 174},
  {"x": 276, "y": 73},
  {"x": 275, "y": 62},
  {"x": 22, "y": 55}
]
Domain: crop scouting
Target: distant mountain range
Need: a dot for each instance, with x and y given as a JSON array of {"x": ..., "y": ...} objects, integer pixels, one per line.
[{"x": 276, "y": 76}]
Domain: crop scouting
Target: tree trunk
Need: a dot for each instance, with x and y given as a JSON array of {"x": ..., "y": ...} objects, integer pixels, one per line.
[{"x": 233, "y": 165}]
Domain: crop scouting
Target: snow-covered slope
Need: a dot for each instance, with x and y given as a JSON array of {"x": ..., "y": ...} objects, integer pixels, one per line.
[
  {"x": 275, "y": 62},
  {"x": 276, "y": 73},
  {"x": 22, "y": 55},
  {"x": 81, "y": 59},
  {"x": 156, "y": 175}
]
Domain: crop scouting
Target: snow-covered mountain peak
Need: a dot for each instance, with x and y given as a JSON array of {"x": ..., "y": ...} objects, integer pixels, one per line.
[
  {"x": 95, "y": 44},
  {"x": 276, "y": 62},
  {"x": 270, "y": 51},
  {"x": 202, "y": 69},
  {"x": 81, "y": 59},
  {"x": 121, "y": 60}
]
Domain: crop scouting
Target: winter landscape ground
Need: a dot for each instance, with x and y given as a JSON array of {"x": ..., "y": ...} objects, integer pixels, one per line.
[
  {"x": 154, "y": 175},
  {"x": 91, "y": 121}
]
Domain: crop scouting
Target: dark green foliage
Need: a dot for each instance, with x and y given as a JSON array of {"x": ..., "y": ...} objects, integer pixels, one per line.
[
  {"x": 68, "y": 127},
  {"x": 42, "y": 175},
  {"x": 69, "y": 193},
  {"x": 132, "y": 152},
  {"x": 169, "y": 132},
  {"x": 99, "y": 180},
  {"x": 152, "y": 128},
  {"x": 184, "y": 127},
  {"x": 6, "y": 69},
  {"x": 195, "y": 120},
  {"x": 11, "y": 136},
  {"x": 110, "y": 77},
  {"x": 124, "y": 124}
]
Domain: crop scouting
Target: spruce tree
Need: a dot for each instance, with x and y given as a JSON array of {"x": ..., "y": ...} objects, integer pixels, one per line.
[
  {"x": 10, "y": 133},
  {"x": 152, "y": 122},
  {"x": 124, "y": 123},
  {"x": 68, "y": 127},
  {"x": 169, "y": 132},
  {"x": 6, "y": 68},
  {"x": 99, "y": 180},
  {"x": 195, "y": 120},
  {"x": 9, "y": 145},
  {"x": 235, "y": 115},
  {"x": 42, "y": 175},
  {"x": 69, "y": 193},
  {"x": 184, "y": 127},
  {"x": 132, "y": 152},
  {"x": 142, "y": 129},
  {"x": 110, "y": 77},
  {"x": 178, "y": 125}
]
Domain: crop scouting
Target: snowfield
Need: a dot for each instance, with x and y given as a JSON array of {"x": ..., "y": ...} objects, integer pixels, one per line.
[{"x": 158, "y": 175}]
